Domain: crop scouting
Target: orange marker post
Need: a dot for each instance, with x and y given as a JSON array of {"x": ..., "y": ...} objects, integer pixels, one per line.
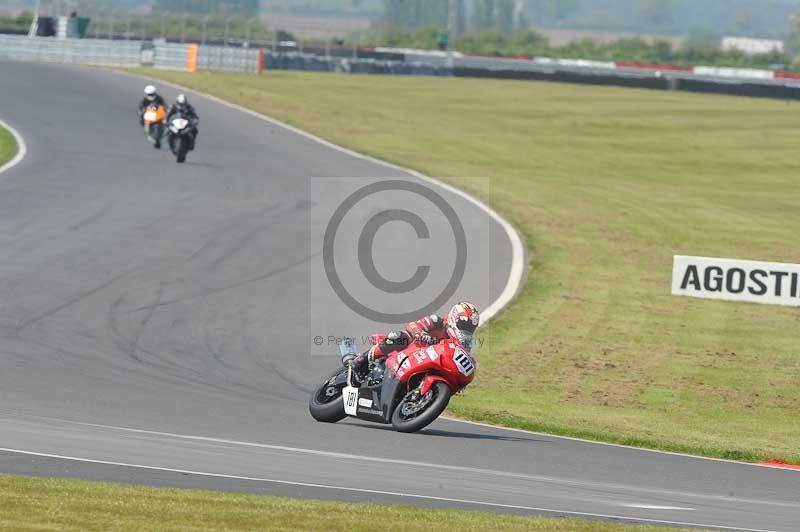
[
  {"x": 191, "y": 58},
  {"x": 262, "y": 59}
]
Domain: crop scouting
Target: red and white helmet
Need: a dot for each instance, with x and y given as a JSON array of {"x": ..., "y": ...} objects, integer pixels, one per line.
[{"x": 462, "y": 320}]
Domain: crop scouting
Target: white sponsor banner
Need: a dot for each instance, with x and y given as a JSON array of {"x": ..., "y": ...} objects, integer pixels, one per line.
[
  {"x": 729, "y": 72},
  {"x": 772, "y": 283}
]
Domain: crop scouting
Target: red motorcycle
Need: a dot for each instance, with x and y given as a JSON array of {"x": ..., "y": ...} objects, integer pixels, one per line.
[{"x": 408, "y": 388}]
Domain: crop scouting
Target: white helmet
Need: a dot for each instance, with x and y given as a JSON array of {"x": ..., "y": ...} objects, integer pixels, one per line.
[
  {"x": 181, "y": 100},
  {"x": 150, "y": 92}
]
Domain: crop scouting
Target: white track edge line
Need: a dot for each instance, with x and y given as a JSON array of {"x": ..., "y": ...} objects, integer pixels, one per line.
[
  {"x": 379, "y": 492},
  {"x": 447, "y": 467},
  {"x": 611, "y": 444},
  {"x": 22, "y": 148},
  {"x": 517, "y": 269}
]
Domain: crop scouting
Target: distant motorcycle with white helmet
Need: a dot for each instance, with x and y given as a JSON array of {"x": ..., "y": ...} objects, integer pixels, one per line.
[
  {"x": 182, "y": 128},
  {"x": 152, "y": 115}
]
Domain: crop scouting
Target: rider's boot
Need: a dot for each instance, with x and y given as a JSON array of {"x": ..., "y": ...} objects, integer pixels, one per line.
[{"x": 360, "y": 363}]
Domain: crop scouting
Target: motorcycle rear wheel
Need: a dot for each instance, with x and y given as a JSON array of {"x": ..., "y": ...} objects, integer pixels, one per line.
[
  {"x": 403, "y": 421},
  {"x": 324, "y": 406}
]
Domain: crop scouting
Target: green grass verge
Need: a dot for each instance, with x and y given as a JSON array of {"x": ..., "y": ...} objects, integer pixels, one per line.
[
  {"x": 606, "y": 185},
  {"x": 8, "y": 146},
  {"x": 54, "y": 504}
]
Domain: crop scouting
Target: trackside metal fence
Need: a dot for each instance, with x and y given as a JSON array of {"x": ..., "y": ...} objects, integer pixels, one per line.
[
  {"x": 219, "y": 59},
  {"x": 129, "y": 54},
  {"x": 71, "y": 51},
  {"x": 192, "y": 57},
  {"x": 355, "y": 65},
  {"x": 171, "y": 56}
]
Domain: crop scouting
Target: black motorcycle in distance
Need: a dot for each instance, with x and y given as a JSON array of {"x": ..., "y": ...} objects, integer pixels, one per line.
[{"x": 180, "y": 133}]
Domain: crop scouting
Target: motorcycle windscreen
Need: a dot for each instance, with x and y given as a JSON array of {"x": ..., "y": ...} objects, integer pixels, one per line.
[{"x": 464, "y": 338}]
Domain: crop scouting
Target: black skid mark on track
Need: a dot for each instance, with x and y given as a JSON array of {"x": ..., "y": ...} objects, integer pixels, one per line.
[
  {"x": 215, "y": 353},
  {"x": 258, "y": 356},
  {"x": 232, "y": 286},
  {"x": 239, "y": 244},
  {"x": 123, "y": 342},
  {"x": 217, "y": 236},
  {"x": 167, "y": 216},
  {"x": 92, "y": 217},
  {"x": 284, "y": 377},
  {"x": 170, "y": 371},
  {"x": 134, "y": 343},
  {"x": 21, "y": 226},
  {"x": 24, "y": 324}
]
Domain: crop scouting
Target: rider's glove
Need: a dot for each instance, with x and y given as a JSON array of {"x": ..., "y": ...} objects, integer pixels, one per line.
[
  {"x": 395, "y": 338},
  {"x": 425, "y": 338}
]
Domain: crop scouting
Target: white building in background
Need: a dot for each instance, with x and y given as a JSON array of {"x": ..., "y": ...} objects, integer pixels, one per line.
[{"x": 752, "y": 46}]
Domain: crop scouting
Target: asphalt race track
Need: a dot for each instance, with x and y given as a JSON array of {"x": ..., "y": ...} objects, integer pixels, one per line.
[{"x": 156, "y": 323}]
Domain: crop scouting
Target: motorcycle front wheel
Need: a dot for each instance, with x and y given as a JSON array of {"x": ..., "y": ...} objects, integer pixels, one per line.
[
  {"x": 183, "y": 149},
  {"x": 416, "y": 412},
  {"x": 326, "y": 403}
]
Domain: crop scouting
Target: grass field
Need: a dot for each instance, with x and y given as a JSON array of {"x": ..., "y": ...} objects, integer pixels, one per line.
[
  {"x": 8, "y": 146},
  {"x": 606, "y": 185},
  {"x": 47, "y": 504}
]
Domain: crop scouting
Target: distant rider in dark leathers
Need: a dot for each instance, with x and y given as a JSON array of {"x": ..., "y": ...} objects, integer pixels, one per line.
[{"x": 183, "y": 107}]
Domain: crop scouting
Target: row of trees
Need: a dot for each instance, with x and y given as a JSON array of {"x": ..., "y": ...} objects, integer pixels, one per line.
[
  {"x": 208, "y": 7},
  {"x": 457, "y": 15},
  {"x": 19, "y": 23},
  {"x": 503, "y": 15},
  {"x": 212, "y": 27},
  {"x": 416, "y": 13},
  {"x": 761, "y": 17},
  {"x": 701, "y": 49}
]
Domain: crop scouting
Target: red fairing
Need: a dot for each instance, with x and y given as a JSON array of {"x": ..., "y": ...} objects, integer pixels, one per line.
[
  {"x": 446, "y": 361},
  {"x": 430, "y": 380}
]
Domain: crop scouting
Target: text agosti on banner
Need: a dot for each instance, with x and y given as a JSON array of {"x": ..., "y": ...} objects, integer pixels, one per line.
[{"x": 770, "y": 283}]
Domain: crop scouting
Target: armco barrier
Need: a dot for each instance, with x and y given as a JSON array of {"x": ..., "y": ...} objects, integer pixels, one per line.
[
  {"x": 170, "y": 56},
  {"x": 71, "y": 51},
  {"x": 612, "y": 77},
  {"x": 754, "y": 90},
  {"x": 191, "y": 57},
  {"x": 218, "y": 59},
  {"x": 103, "y": 52},
  {"x": 588, "y": 78},
  {"x": 303, "y": 61}
]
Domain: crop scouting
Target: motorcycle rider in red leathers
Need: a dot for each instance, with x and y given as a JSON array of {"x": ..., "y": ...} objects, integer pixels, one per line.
[{"x": 460, "y": 323}]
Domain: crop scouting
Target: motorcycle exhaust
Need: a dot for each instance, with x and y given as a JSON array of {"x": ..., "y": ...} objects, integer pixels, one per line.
[{"x": 348, "y": 350}]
